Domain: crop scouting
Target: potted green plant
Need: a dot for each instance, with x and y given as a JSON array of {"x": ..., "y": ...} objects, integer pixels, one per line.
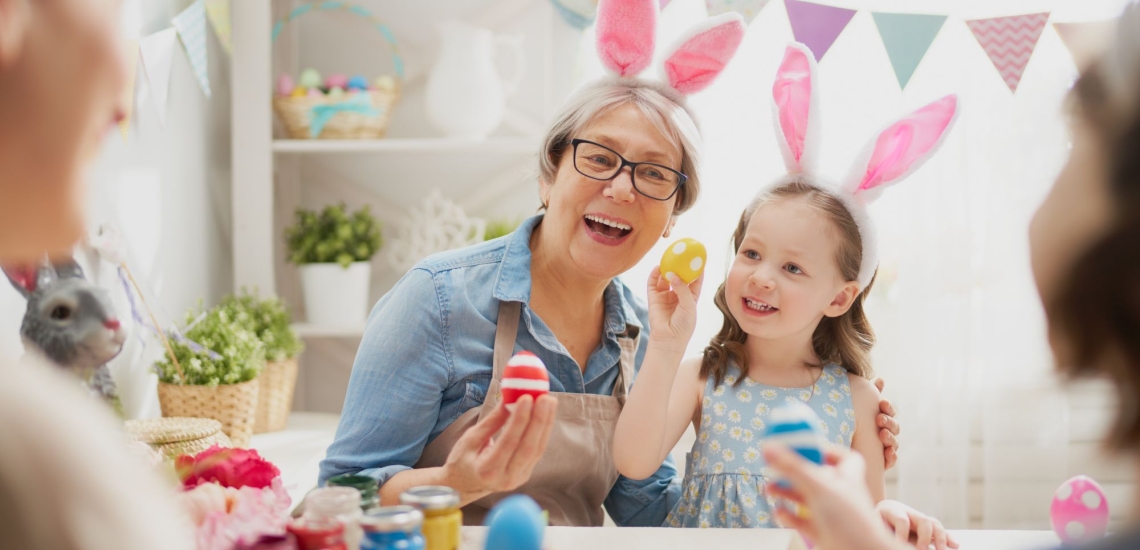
[
  {"x": 500, "y": 227},
  {"x": 269, "y": 319},
  {"x": 332, "y": 249},
  {"x": 211, "y": 372}
]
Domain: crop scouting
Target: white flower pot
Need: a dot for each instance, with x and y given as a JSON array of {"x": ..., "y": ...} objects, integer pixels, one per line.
[{"x": 336, "y": 296}]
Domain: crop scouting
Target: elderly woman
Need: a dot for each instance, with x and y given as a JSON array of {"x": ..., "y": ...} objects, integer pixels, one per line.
[
  {"x": 431, "y": 361},
  {"x": 1085, "y": 243}
]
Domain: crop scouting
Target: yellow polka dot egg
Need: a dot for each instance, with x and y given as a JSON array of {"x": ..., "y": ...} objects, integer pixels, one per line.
[{"x": 686, "y": 258}]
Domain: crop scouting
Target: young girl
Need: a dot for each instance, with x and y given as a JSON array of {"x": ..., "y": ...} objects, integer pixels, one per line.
[{"x": 794, "y": 325}]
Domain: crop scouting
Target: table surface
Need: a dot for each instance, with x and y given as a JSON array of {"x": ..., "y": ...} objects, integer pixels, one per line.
[
  {"x": 630, "y": 538},
  {"x": 298, "y": 450}
]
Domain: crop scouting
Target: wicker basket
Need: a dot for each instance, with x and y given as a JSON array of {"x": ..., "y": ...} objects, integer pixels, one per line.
[
  {"x": 357, "y": 118},
  {"x": 362, "y": 115},
  {"x": 176, "y": 436},
  {"x": 275, "y": 398},
  {"x": 234, "y": 405}
]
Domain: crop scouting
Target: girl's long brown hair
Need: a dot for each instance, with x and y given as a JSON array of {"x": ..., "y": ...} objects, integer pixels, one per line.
[{"x": 845, "y": 340}]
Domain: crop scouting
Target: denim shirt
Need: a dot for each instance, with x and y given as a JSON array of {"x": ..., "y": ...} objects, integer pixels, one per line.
[{"x": 426, "y": 356}]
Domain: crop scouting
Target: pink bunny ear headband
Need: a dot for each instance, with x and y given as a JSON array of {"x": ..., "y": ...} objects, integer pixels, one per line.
[
  {"x": 896, "y": 152},
  {"x": 626, "y": 30}
]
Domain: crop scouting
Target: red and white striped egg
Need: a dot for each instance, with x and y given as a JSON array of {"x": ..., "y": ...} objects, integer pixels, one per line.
[{"x": 525, "y": 374}]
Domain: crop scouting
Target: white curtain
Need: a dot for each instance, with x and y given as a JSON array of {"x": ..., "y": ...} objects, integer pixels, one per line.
[{"x": 961, "y": 332}]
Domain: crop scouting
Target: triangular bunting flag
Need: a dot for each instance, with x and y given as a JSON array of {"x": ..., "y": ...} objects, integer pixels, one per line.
[
  {"x": 749, "y": 9},
  {"x": 1010, "y": 41},
  {"x": 907, "y": 37},
  {"x": 129, "y": 92},
  {"x": 157, "y": 54},
  {"x": 191, "y": 25},
  {"x": 1086, "y": 40},
  {"x": 219, "y": 13},
  {"x": 817, "y": 26}
]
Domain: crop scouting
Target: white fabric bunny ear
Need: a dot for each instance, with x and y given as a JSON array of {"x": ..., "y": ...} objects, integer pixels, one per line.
[
  {"x": 901, "y": 149},
  {"x": 626, "y": 31},
  {"x": 625, "y": 35},
  {"x": 892, "y": 156},
  {"x": 702, "y": 53},
  {"x": 795, "y": 102}
]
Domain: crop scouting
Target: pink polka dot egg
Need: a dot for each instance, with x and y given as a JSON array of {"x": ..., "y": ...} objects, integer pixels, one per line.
[{"x": 1080, "y": 510}]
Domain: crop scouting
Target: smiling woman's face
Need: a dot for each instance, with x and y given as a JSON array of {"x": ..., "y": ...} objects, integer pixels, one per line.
[
  {"x": 62, "y": 82},
  {"x": 607, "y": 227}
]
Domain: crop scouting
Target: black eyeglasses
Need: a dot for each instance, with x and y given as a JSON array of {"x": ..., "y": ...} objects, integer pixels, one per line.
[{"x": 601, "y": 163}]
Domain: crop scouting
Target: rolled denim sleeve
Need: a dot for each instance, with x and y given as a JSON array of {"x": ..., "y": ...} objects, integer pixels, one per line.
[
  {"x": 646, "y": 502},
  {"x": 394, "y": 393}
]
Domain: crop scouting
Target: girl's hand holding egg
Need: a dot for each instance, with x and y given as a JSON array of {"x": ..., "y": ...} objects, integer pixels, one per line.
[{"x": 673, "y": 289}]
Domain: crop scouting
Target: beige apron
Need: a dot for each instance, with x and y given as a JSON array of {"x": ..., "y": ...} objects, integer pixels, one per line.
[{"x": 577, "y": 471}]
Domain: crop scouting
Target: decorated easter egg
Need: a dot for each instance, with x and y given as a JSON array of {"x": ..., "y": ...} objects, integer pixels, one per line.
[
  {"x": 796, "y": 425},
  {"x": 299, "y": 91},
  {"x": 284, "y": 84},
  {"x": 515, "y": 523},
  {"x": 310, "y": 78},
  {"x": 525, "y": 374},
  {"x": 1080, "y": 511},
  {"x": 336, "y": 81},
  {"x": 316, "y": 92},
  {"x": 686, "y": 258},
  {"x": 336, "y": 93},
  {"x": 358, "y": 82}
]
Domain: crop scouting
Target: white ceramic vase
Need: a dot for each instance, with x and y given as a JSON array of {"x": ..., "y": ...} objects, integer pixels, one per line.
[
  {"x": 334, "y": 295},
  {"x": 466, "y": 97}
]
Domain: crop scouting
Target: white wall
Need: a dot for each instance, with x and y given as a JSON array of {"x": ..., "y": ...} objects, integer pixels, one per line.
[{"x": 167, "y": 189}]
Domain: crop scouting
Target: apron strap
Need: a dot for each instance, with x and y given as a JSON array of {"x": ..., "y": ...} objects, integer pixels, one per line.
[
  {"x": 628, "y": 342},
  {"x": 506, "y": 330}
]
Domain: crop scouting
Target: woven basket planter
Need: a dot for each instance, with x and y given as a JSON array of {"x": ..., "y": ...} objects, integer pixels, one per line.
[
  {"x": 275, "y": 397},
  {"x": 176, "y": 436},
  {"x": 234, "y": 405}
]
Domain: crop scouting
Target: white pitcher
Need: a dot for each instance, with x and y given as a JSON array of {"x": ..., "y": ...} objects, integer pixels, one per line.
[{"x": 466, "y": 97}]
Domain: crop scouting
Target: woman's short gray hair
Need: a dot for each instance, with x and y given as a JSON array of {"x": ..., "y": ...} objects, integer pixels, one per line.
[{"x": 664, "y": 108}]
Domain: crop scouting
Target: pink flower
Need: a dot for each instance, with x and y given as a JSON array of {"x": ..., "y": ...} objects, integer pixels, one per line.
[
  {"x": 204, "y": 500},
  {"x": 249, "y": 514},
  {"x": 234, "y": 468}
]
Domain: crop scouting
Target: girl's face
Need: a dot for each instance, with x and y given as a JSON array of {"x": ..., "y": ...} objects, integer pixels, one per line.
[
  {"x": 606, "y": 227},
  {"x": 1077, "y": 212},
  {"x": 784, "y": 278},
  {"x": 62, "y": 82}
]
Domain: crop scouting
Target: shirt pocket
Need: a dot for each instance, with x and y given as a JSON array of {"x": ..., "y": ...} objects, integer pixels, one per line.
[{"x": 475, "y": 392}]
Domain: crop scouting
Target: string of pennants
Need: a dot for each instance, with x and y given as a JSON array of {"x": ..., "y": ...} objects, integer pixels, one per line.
[
  {"x": 1008, "y": 41},
  {"x": 156, "y": 52}
]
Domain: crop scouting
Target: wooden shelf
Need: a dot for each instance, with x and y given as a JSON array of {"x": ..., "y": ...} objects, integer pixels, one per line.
[
  {"x": 307, "y": 330},
  {"x": 515, "y": 145}
]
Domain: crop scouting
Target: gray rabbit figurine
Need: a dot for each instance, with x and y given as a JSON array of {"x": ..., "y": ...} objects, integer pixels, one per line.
[{"x": 71, "y": 321}]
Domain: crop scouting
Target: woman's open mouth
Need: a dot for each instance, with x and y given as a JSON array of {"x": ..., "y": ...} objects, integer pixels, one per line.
[{"x": 606, "y": 230}]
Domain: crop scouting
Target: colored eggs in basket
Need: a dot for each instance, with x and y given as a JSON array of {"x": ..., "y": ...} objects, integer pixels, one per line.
[
  {"x": 336, "y": 81},
  {"x": 686, "y": 258},
  {"x": 525, "y": 374},
  {"x": 796, "y": 425},
  {"x": 310, "y": 78},
  {"x": 299, "y": 91},
  {"x": 358, "y": 82},
  {"x": 1079, "y": 512},
  {"x": 285, "y": 84},
  {"x": 336, "y": 92}
]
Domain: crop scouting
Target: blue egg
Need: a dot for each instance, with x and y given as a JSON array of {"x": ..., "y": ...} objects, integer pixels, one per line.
[
  {"x": 358, "y": 83},
  {"x": 797, "y": 426},
  {"x": 515, "y": 523}
]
